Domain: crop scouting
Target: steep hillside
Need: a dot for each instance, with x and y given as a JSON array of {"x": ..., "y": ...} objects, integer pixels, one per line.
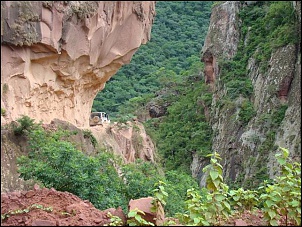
[
  {"x": 253, "y": 63},
  {"x": 243, "y": 102},
  {"x": 128, "y": 141}
]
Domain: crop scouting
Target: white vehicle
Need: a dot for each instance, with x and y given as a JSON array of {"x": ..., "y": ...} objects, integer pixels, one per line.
[{"x": 98, "y": 118}]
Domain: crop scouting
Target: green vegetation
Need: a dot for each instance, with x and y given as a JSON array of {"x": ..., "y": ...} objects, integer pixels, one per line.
[
  {"x": 135, "y": 218},
  {"x": 270, "y": 122},
  {"x": 246, "y": 112},
  {"x": 4, "y": 88},
  {"x": 88, "y": 134},
  {"x": 217, "y": 203},
  {"x": 243, "y": 199},
  {"x": 283, "y": 198},
  {"x": 184, "y": 129},
  {"x": 159, "y": 196},
  {"x": 260, "y": 25},
  {"x": 23, "y": 126},
  {"x": 24, "y": 27},
  {"x": 268, "y": 25},
  {"x": 82, "y": 9},
  {"x": 25, "y": 210},
  {"x": 3, "y": 112},
  {"x": 177, "y": 184},
  {"x": 168, "y": 68},
  {"x": 55, "y": 162},
  {"x": 168, "y": 71},
  {"x": 114, "y": 220},
  {"x": 177, "y": 37}
]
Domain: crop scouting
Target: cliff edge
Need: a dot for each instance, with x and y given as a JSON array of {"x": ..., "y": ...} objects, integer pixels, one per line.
[{"x": 57, "y": 55}]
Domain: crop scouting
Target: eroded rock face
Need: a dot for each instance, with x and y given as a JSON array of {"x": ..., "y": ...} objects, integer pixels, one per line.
[
  {"x": 222, "y": 38},
  {"x": 56, "y": 56},
  {"x": 129, "y": 141},
  {"x": 248, "y": 150}
]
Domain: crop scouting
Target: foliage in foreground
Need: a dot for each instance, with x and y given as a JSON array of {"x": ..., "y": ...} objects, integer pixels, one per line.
[
  {"x": 282, "y": 198},
  {"x": 217, "y": 204},
  {"x": 57, "y": 163}
]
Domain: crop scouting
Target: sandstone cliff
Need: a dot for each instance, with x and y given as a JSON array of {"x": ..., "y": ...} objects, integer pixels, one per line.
[
  {"x": 57, "y": 55},
  {"x": 248, "y": 150}
]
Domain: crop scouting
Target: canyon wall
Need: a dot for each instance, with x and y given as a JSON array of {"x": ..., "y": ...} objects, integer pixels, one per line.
[
  {"x": 247, "y": 148},
  {"x": 57, "y": 55}
]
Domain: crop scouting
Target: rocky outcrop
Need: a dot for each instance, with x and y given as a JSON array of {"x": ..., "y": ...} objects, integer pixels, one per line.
[
  {"x": 145, "y": 205},
  {"x": 248, "y": 150},
  {"x": 57, "y": 55},
  {"x": 222, "y": 38},
  {"x": 11, "y": 148},
  {"x": 128, "y": 140}
]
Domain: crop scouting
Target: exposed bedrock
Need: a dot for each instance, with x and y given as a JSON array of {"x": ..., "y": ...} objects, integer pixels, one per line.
[{"x": 57, "y": 55}]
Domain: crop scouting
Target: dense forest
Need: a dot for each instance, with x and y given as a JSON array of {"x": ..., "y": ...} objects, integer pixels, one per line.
[
  {"x": 168, "y": 67},
  {"x": 177, "y": 38}
]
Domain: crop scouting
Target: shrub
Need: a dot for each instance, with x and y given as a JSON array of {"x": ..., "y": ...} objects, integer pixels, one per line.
[
  {"x": 177, "y": 185},
  {"x": 283, "y": 197},
  {"x": 242, "y": 199},
  {"x": 139, "y": 178},
  {"x": 135, "y": 218},
  {"x": 247, "y": 112},
  {"x": 88, "y": 134},
  {"x": 59, "y": 164},
  {"x": 3, "y": 112},
  {"x": 213, "y": 206},
  {"x": 25, "y": 125}
]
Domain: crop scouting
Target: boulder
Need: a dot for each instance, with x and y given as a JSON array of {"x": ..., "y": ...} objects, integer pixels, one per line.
[{"x": 145, "y": 205}]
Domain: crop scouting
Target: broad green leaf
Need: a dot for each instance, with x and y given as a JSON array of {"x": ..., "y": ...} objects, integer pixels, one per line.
[
  {"x": 273, "y": 222},
  {"x": 295, "y": 203},
  {"x": 225, "y": 213},
  {"x": 213, "y": 174},
  {"x": 272, "y": 214},
  {"x": 227, "y": 205},
  {"x": 269, "y": 203},
  {"x": 219, "y": 198},
  {"x": 232, "y": 192},
  {"x": 285, "y": 152},
  {"x": 213, "y": 161},
  {"x": 196, "y": 220},
  {"x": 236, "y": 198}
]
